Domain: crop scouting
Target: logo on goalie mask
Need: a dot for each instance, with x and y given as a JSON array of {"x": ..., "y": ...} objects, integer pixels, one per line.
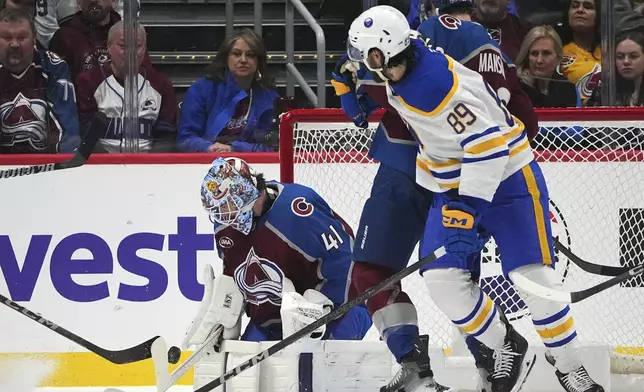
[{"x": 260, "y": 280}]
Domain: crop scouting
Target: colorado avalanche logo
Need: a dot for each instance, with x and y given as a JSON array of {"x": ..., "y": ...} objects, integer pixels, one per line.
[
  {"x": 260, "y": 280},
  {"x": 96, "y": 58},
  {"x": 450, "y": 22},
  {"x": 301, "y": 207},
  {"x": 495, "y": 34},
  {"x": 500, "y": 289},
  {"x": 54, "y": 59},
  {"x": 149, "y": 104},
  {"x": 590, "y": 81},
  {"x": 23, "y": 121}
]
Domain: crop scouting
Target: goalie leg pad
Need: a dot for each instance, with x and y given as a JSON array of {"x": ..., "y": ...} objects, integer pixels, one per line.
[
  {"x": 463, "y": 301},
  {"x": 223, "y": 304},
  {"x": 392, "y": 311},
  {"x": 552, "y": 320}
]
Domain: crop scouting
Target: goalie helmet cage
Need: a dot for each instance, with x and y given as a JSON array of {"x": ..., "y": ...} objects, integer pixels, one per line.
[{"x": 591, "y": 160}]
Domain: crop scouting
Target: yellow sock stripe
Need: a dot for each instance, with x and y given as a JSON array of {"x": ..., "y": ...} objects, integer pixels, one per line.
[
  {"x": 478, "y": 321},
  {"x": 551, "y": 333}
]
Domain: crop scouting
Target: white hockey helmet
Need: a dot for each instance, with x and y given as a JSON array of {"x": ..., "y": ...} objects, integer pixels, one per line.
[{"x": 381, "y": 27}]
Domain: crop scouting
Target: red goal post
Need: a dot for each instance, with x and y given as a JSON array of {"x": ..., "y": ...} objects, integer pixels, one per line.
[{"x": 592, "y": 162}]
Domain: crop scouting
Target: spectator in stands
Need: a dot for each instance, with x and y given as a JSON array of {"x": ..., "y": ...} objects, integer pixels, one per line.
[
  {"x": 629, "y": 59},
  {"x": 81, "y": 39},
  {"x": 628, "y": 16},
  {"x": 102, "y": 89},
  {"x": 49, "y": 12},
  {"x": 37, "y": 101},
  {"x": 537, "y": 63},
  {"x": 629, "y": 63},
  {"x": 232, "y": 108},
  {"x": 581, "y": 37},
  {"x": 507, "y": 29},
  {"x": 28, "y": 6}
]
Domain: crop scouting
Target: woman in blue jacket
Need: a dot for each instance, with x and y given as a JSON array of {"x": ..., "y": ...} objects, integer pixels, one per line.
[{"x": 231, "y": 109}]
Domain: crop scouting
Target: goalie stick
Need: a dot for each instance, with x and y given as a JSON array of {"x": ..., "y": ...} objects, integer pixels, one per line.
[
  {"x": 362, "y": 298},
  {"x": 575, "y": 296},
  {"x": 133, "y": 354},
  {"x": 96, "y": 128},
  {"x": 597, "y": 269}
]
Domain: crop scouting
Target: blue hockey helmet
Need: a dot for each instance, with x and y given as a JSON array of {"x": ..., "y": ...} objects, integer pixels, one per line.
[{"x": 229, "y": 192}]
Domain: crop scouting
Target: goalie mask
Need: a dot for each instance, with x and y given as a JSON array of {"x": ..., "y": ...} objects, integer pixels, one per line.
[{"x": 229, "y": 192}]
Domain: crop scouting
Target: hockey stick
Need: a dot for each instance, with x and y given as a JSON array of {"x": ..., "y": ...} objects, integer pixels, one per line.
[
  {"x": 133, "y": 354},
  {"x": 362, "y": 298},
  {"x": 575, "y": 296},
  {"x": 164, "y": 380},
  {"x": 597, "y": 269},
  {"x": 96, "y": 129}
]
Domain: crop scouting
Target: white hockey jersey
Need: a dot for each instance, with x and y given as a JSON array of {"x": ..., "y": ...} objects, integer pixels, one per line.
[{"x": 467, "y": 138}]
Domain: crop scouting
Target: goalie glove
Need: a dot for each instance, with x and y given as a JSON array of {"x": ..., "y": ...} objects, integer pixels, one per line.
[
  {"x": 298, "y": 310},
  {"x": 219, "y": 312}
]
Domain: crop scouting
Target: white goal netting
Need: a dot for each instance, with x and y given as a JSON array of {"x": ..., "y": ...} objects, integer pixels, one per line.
[{"x": 592, "y": 160}]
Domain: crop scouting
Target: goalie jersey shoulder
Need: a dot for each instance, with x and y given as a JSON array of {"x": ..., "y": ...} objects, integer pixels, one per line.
[{"x": 306, "y": 221}]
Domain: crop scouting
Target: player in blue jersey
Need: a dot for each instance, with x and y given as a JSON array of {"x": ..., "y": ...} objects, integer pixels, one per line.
[
  {"x": 452, "y": 32},
  {"x": 286, "y": 260},
  {"x": 476, "y": 158}
]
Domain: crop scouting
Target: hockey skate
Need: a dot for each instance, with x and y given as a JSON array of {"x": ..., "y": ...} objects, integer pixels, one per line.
[
  {"x": 576, "y": 381},
  {"x": 512, "y": 363},
  {"x": 484, "y": 358},
  {"x": 415, "y": 374}
]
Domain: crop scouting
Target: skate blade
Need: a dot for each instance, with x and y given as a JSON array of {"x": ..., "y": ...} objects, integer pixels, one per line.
[{"x": 526, "y": 367}]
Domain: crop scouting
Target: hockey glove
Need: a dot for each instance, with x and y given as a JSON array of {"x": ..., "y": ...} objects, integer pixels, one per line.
[{"x": 460, "y": 221}]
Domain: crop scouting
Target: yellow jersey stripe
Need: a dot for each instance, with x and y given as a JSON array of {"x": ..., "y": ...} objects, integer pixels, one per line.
[
  {"x": 444, "y": 102},
  {"x": 519, "y": 147},
  {"x": 487, "y": 145}
]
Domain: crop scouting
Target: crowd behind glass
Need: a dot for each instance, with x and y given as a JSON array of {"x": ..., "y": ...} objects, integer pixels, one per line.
[{"x": 49, "y": 94}]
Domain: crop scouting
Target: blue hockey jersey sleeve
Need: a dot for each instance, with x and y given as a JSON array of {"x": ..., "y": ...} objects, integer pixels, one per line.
[
  {"x": 326, "y": 240},
  {"x": 62, "y": 95},
  {"x": 356, "y": 105}
]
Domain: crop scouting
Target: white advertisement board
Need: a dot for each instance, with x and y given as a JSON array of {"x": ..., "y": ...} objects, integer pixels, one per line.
[{"x": 114, "y": 253}]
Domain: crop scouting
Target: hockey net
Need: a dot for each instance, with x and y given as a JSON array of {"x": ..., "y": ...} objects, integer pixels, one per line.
[{"x": 592, "y": 162}]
